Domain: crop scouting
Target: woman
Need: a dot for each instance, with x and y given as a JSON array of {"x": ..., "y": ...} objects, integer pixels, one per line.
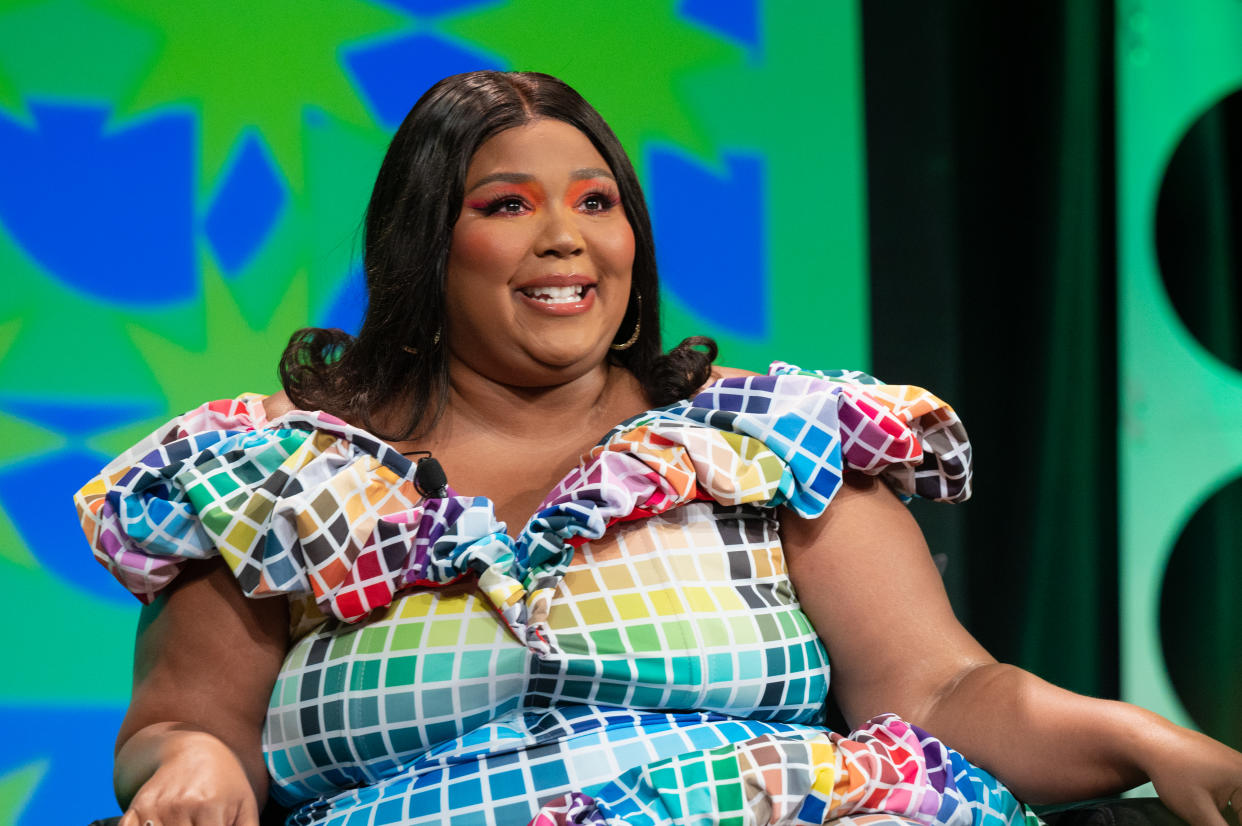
[{"x": 633, "y": 651}]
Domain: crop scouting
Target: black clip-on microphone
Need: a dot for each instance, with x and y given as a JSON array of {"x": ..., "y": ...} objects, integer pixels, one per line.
[{"x": 429, "y": 478}]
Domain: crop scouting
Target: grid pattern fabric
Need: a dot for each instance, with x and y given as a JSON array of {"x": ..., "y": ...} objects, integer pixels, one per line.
[
  {"x": 638, "y": 641},
  {"x": 887, "y": 771},
  {"x": 929, "y": 455},
  {"x": 690, "y": 609}
]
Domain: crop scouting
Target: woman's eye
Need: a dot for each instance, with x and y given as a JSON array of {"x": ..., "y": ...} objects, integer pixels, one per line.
[
  {"x": 597, "y": 203},
  {"x": 506, "y": 206}
]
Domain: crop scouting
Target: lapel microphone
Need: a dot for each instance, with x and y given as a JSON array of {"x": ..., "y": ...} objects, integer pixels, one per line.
[{"x": 429, "y": 478}]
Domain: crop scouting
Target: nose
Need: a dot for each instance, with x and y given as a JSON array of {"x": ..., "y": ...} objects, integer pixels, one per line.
[{"x": 559, "y": 235}]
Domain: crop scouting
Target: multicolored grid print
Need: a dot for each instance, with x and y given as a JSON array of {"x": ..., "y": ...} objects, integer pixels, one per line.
[
  {"x": 643, "y": 615},
  {"x": 180, "y": 192},
  {"x": 885, "y": 772}
]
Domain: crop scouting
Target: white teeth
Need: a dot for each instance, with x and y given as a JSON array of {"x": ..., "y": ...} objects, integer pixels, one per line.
[{"x": 555, "y": 295}]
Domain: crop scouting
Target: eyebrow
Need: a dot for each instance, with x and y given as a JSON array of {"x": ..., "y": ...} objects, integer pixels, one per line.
[
  {"x": 583, "y": 174},
  {"x": 591, "y": 172}
]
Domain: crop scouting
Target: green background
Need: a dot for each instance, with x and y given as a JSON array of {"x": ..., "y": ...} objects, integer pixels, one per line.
[{"x": 183, "y": 184}]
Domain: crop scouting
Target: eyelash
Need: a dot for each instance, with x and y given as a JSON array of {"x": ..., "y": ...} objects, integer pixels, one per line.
[
  {"x": 607, "y": 199},
  {"x": 495, "y": 206}
]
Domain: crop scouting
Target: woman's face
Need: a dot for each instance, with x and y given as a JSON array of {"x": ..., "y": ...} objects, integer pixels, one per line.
[{"x": 539, "y": 269}]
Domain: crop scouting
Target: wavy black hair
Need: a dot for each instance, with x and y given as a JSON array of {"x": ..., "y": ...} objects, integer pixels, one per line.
[{"x": 409, "y": 227}]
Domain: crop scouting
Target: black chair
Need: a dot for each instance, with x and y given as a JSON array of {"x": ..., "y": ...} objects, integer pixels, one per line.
[{"x": 1127, "y": 811}]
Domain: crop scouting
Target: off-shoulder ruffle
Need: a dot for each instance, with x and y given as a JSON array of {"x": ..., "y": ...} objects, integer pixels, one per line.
[{"x": 309, "y": 506}]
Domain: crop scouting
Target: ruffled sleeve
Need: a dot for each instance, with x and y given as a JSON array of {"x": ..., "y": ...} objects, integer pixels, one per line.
[
  {"x": 310, "y": 507},
  {"x": 144, "y": 541},
  {"x": 303, "y": 506},
  {"x": 782, "y": 439},
  {"x": 903, "y": 433}
]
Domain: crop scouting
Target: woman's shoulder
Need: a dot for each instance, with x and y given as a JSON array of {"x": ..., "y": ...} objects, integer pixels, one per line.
[
  {"x": 278, "y": 404},
  {"x": 721, "y": 372}
]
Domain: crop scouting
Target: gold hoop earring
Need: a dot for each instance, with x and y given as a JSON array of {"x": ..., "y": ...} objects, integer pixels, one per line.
[{"x": 638, "y": 326}]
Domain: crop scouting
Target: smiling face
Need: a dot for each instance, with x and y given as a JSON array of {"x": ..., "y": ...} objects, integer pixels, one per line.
[{"x": 539, "y": 269}]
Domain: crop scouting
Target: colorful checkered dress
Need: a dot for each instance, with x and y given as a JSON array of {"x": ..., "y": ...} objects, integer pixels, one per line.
[{"x": 637, "y": 655}]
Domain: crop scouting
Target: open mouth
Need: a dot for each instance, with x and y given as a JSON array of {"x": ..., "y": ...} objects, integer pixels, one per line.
[{"x": 557, "y": 295}]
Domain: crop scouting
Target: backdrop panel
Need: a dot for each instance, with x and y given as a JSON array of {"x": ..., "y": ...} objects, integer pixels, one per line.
[
  {"x": 1180, "y": 441},
  {"x": 182, "y": 187}
]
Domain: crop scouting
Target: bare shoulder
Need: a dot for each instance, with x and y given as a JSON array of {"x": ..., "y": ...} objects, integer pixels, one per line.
[
  {"x": 278, "y": 404},
  {"x": 719, "y": 372}
]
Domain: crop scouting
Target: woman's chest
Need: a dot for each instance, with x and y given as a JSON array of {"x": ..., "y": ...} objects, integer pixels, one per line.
[
  {"x": 515, "y": 464},
  {"x": 689, "y": 610},
  {"x": 515, "y": 478},
  {"x": 692, "y": 609}
]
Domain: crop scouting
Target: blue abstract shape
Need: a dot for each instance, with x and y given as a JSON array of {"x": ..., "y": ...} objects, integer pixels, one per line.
[
  {"x": 106, "y": 212},
  {"x": 37, "y": 493},
  {"x": 246, "y": 207},
  {"x": 348, "y": 305},
  {"x": 431, "y": 8},
  {"x": 77, "y": 787},
  {"x": 394, "y": 73},
  {"x": 738, "y": 19},
  {"x": 710, "y": 237},
  {"x": 77, "y": 421}
]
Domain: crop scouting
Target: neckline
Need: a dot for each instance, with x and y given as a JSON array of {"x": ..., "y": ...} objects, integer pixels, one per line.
[{"x": 403, "y": 466}]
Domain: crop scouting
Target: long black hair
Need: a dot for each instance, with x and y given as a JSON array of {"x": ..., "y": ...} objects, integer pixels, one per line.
[{"x": 399, "y": 352}]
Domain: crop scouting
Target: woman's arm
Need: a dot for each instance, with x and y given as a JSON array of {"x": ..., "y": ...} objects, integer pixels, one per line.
[
  {"x": 205, "y": 662},
  {"x": 867, "y": 582}
]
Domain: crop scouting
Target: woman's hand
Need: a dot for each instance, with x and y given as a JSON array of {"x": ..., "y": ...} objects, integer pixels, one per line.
[
  {"x": 198, "y": 781},
  {"x": 1195, "y": 776}
]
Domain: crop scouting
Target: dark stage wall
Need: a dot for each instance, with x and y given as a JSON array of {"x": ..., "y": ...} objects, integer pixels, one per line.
[{"x": 1055, "y": 205}]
